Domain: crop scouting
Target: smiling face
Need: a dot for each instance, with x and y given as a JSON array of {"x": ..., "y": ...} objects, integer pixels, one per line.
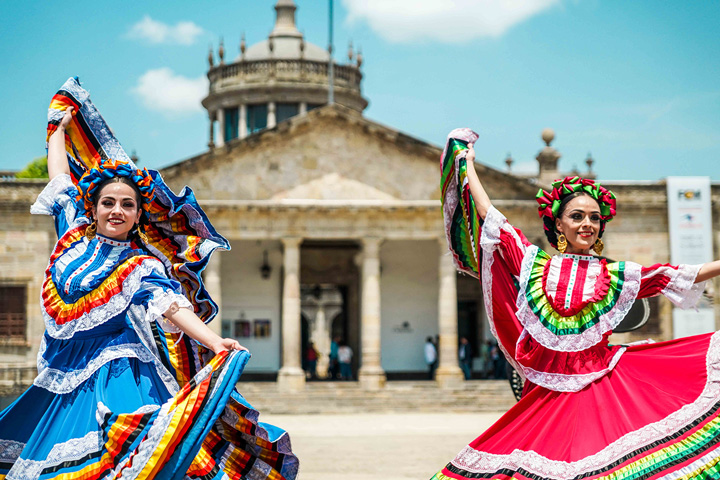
[
  {"x": 580, "y": 223},
  {"x": 116, "y": 211}
]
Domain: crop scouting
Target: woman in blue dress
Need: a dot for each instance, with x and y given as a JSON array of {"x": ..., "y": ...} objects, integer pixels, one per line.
[{"x": 131, "y": 382}]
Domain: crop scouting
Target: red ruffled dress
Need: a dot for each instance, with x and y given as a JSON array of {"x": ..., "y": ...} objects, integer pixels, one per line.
[{"x": 590, "y": 409}]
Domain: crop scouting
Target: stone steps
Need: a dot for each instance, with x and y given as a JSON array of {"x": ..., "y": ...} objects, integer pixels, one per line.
[{"x": 396, "y": 397}]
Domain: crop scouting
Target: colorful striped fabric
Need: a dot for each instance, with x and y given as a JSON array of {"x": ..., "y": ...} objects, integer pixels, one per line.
[
  {"x": 180, "y": 234},
  {"x": 462, "y": 222}
]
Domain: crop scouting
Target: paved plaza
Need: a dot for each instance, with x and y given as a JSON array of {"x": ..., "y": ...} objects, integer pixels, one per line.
[{"x": 371, "y": 446}]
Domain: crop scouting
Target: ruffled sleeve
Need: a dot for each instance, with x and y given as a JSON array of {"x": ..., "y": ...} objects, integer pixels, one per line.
[
  {"x": 677, "y": 283},
  {"x": 58, "y": 200},
  {"x": 158, "y": 294}
]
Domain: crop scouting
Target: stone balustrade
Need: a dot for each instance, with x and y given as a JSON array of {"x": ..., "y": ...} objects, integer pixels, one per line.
[{"x": 301, "y": 71}]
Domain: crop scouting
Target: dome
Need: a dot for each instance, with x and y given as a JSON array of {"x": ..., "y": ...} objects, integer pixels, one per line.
[{"x": 285, "y": 48}]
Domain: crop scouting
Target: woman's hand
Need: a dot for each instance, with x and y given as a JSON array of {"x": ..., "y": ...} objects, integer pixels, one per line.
[
  {"x": 470, "y": 157},
  {"x": 67, "y": 118},
  {"x": 225, "y": 344},
  {"x": 57, "y": 158}
]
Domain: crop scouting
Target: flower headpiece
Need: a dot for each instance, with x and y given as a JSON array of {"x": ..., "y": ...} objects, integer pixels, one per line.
[
  {"x": 107, "y": 169},
  {"x": 549, "y": 202}
]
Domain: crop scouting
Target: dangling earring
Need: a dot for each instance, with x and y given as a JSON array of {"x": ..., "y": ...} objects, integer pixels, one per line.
[
  {"x": 91, "y": 230},
  {"x": 561, "y": 243},
  {"x": 599, "y": 246},
  {"x": 143, "y": 236}
]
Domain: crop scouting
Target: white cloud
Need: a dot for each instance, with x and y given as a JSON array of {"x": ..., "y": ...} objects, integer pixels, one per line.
[
  {"x": 182, "y": 33},
  {"x": 448, "y": 21},
  {"x": 163, "y": 91}
]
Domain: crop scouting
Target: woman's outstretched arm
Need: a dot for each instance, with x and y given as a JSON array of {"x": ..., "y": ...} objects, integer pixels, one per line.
[
  {"x": 191, "y": 324},
  {"x": 708, "y": 271},
  {"x": 482, "y": 201},
  {"x": 57, "y": 158}
]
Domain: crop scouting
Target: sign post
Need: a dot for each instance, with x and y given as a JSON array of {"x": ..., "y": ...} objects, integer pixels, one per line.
[{"x": 690, "y": 224}]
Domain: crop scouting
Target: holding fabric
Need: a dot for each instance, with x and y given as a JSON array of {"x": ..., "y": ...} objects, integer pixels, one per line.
[
  {"x": 131, "y": 382},
  {"x": 589, "y": 409}
]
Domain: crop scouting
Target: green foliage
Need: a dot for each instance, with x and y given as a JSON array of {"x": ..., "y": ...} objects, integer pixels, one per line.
[{"x": 36, "y": 169}]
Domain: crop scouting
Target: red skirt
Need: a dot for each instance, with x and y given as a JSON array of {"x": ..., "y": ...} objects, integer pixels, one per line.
[{"x": 656, "y": 415}]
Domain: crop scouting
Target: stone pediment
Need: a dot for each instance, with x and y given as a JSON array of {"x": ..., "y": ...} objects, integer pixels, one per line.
[
  {"x": 330, "y": 153},
  {"x": 333, "y": 186}
]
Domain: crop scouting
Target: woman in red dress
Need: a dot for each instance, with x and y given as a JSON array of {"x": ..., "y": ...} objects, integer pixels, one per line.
[{"x": 589, "y": 410}]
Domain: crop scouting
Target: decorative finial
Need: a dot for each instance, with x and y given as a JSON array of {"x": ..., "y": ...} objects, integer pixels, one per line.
[
  {"x": 302, "y": 46},
  {"x": 589, "y": 161},
  {"x": 285, "y": 20},
  {"x": 221, "y": 51},
  {"x": 359, "y": 57},
  {"x": 211, "y": 57},
  {"x": 351, "y": 54},
  {"x": 548, "y": 135},
  {"x": 509, "y": 161},
  {"x": 134, "y": 157},
  {"x": 243, "y": 45},
  {"x": 271, "y": 44}
]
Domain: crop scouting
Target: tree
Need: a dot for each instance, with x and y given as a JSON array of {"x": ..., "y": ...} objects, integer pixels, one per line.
[{"x": 36, "y": 169}]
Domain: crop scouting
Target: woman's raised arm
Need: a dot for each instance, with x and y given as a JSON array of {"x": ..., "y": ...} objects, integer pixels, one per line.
[
  {"x": 57, "y": 158},
  {"x": 708, "y": 271},
  {"x": 482, "y": 201}
]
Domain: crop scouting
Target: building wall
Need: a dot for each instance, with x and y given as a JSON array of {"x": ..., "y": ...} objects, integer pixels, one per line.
[
  {"x": 409, "y": 293},
  {"x": 25, "y": 244},
  {"x": 248, "y": 296}
]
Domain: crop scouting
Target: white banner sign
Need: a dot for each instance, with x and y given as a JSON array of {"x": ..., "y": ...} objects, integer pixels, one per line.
[{"x": 690, "y": 225}]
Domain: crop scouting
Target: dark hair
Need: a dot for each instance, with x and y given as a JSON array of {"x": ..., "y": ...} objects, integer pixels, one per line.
[
  {"x": 125, "y": 180},
  {"x": 549, "y": 223}
]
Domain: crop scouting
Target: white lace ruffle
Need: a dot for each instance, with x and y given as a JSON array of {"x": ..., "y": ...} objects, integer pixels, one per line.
[
  {"x": 71, "y": 450},
  {"x": 10, "y": 450},
  {"x": 59, "y": 381},
  {"x": 489, "y": 240},
  {"x": 493, "y": 224},
  {"x": 682, "y": 289},
  {"x": 482, "y": 462},
  {"x": 160, "y": 303},
  {"x": 102, "y": 313},
  {"x": 591, "y": 336},
  {"x": 560, "y": 382},
  {"x": 46, "y": 199}
]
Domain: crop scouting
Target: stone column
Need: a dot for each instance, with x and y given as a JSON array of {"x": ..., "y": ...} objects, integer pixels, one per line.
[
  {"x": 242, "y": 128},
  {"x": 448, "y": 373},
  {"x": 291, "y": 377},
  {"x": 271, "y": 118},
  {"x": 213, "y": 284},
  {"x": 221, "y": 127},
  {"x": 211, "y": 140},
  {"x": 371, "y": 374},
  {"x": 303, "y": 108}
]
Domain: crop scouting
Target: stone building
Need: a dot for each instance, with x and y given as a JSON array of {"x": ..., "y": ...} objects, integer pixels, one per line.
[{"x": 334, "y": 221}]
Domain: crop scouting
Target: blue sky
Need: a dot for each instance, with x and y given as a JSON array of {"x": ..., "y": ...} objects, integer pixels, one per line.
[{"x": 635, "y": 83}]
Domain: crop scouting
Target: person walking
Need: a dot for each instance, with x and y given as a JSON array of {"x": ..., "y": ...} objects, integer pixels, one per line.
[
  {"x": 465, "y": 356},
  {"x": 431, "y": 357},
  {"x": 345, "y": 355}
]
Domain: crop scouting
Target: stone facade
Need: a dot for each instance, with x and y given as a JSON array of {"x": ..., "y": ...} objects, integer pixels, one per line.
[{"x": 336, "y": 228}]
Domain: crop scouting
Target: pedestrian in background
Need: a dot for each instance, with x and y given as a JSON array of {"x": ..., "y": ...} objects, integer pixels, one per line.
[
  {"x": 430, "y": 357},
  {"x": 465, "y": 356},
  {"x": 345, "y": 355}
]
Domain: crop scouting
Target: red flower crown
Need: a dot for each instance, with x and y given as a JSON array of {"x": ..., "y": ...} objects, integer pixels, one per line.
[{"x": 549, "y": 202}]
